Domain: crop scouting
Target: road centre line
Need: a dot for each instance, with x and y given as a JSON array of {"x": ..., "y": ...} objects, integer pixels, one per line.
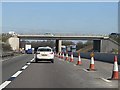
[
  {"x": 24, "y": 67},
  {"x": 17, "y": 73}
]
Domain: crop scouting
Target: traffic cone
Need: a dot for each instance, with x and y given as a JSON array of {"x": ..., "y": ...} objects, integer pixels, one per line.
[
  {"x": 66, "y": 57},
  {"x": 79, "y": 59},
  {"x": 71, "y": 58},
  {"x": 115, "y": 74},
  {"x": 59, "y": 54},
  {"x": 62, "y": 57},
  {"x": 92, "y": 66}
]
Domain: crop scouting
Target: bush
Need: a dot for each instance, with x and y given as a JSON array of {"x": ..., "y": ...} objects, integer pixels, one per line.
[{"x": 6, "y": 47}]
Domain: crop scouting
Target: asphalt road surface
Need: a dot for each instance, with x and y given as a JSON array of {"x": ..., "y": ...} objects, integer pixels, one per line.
[
  {"x": 13, "y": 64},
  {"x": 60, "y": 74}
]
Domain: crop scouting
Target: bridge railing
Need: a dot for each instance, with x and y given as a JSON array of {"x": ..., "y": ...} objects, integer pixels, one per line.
[{"x": 66, "y": 34}]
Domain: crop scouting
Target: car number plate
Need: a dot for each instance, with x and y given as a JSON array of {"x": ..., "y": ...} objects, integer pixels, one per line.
[{"x": 44, "y": 54}]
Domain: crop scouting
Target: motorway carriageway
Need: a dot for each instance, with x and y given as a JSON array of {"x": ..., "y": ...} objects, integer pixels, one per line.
[{"x": 23, "y": 72}]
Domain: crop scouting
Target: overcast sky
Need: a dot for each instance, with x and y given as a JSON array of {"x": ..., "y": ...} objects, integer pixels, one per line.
[{"x": 60, "y": 17}]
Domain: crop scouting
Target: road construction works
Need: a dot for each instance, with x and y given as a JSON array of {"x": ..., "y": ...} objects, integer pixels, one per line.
[{"x": 60, "y": 74}]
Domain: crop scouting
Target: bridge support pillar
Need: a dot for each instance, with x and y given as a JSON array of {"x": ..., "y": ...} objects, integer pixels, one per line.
[
  {"x": 96, "y": 45},
  {"x": 14, "y": 43},
  {"x": 58, "y": 45}
]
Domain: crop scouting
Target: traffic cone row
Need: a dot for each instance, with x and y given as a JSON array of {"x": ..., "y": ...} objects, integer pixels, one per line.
[{"x": 115, "y": 73}]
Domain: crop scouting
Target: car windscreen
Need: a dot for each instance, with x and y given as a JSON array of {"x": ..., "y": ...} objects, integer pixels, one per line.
[{"x": 44, "y": 49}]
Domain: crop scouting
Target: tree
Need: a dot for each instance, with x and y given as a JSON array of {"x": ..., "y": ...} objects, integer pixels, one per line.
[
  {"x": 88, "y": 43},
  {"x": 79, "y": 45},
  {"x": 66, "y": 43}
]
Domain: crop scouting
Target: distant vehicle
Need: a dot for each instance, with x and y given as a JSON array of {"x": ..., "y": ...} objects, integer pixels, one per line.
[
  {"x": 71, "y": 48},
  {"x": 28, "y": 49},
  {"x": 44, "y": 53},
  {"x": 48, "y": 34}
]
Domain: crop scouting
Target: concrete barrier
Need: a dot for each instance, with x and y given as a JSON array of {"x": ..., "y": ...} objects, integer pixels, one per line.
[{"x": 104, "y": 57}]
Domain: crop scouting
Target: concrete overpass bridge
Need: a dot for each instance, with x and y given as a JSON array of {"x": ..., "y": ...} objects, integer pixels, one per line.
[{"x": 101, "y": 43}]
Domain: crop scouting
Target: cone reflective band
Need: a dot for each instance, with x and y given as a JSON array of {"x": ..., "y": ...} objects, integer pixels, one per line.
[
  {"x": 71, "y": 58},
  {"x": 79, "y": 60},
  {"x": 66, "y": 57},
  {"x": 115, "y": 74}
]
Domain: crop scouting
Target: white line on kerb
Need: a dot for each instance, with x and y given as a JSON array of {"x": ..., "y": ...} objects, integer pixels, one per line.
[
  {"x": 24, "y": 67},
  {"x": 3, "y": 85},
  {"x": 105, "y": 80},
  {"x": 16, "y": 74}
]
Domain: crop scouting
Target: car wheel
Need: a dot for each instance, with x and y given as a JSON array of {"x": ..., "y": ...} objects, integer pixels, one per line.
[
  {"x": 52, "y": 61},
  {"x": 36, "y": 60}
]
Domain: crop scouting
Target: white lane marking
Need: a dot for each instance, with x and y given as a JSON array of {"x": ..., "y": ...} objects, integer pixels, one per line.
[
  {"x": 85, "y": 70},
  {"x": 16, "y": 74},
  {"x": 24, "y": 67},
  {"x": 32, "y": 60},
  {"x": 28, "y": 63},
  {"x": 105, "y": 80},
  {"x": 3, "y": 85}
]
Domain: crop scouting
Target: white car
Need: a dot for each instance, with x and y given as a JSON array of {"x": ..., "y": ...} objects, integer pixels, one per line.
[{"x": 44, "y": 53}]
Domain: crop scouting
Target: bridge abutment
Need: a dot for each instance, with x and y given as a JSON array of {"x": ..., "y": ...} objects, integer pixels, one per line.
[{"x": 14, "y": 43}]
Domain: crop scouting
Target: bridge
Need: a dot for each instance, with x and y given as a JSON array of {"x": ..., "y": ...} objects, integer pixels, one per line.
[{"x": 101, "y": 43}]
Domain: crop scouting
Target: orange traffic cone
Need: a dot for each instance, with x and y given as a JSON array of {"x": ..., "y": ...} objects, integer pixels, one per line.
[
  {"x": 62, "y": 57},
  {"x": 115, "y": 74},
  {"x": 79, "y": 59},
  {"x": 92, "y": 66},
  {"x": 66, "y": 58},
  {"x": 59, "y": 54},
  {"x": 71, "y": 58}
]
